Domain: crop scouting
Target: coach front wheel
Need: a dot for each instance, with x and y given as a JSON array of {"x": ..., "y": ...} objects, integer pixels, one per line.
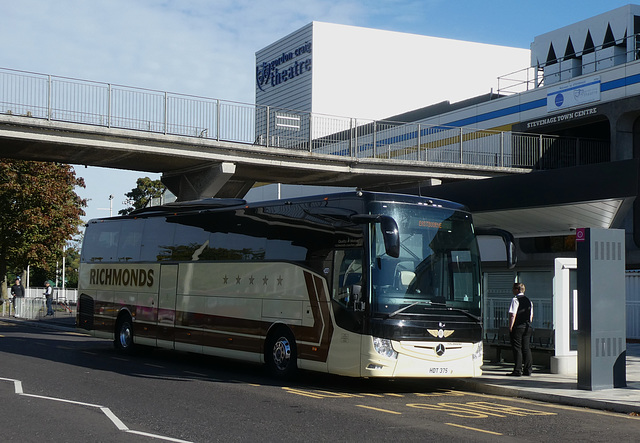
[
  {"x": 281, "y": 354},
  {"x": 124, "y": 335}
]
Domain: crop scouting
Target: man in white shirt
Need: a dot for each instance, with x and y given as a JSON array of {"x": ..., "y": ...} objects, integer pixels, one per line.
[{"x": 520, "y": 318}]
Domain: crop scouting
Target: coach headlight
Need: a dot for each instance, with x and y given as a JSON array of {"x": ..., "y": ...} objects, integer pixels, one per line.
[{"x": 383, "y": 347}]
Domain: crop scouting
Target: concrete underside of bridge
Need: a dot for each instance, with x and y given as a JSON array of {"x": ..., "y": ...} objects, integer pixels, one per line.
[{"x": 199, "y": 167}]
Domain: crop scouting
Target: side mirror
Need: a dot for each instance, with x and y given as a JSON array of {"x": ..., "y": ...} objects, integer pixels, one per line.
[
  {"x": 391, "y": 236},
  {"x": 509, "y": 243},
  {"x": 389, "y": 228},
  {"x": 358, "y": 304}
]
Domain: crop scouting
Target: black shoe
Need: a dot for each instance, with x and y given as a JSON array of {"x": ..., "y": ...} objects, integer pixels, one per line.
[
  {"x": 514, "y": 374},
  {"x": 526, "y": 374}
]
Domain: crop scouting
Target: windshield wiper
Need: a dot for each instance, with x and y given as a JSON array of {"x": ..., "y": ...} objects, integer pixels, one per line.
[
  {"x": 430, "y": 303},
  {"x": 419, "y": 302}
]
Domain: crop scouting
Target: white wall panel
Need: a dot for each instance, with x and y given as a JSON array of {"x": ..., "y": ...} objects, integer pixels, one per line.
[{"x": 374, "y": 74}]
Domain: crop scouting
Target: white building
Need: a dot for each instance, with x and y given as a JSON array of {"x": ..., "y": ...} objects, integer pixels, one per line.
[
  {"x": 590, "y": 45},
  {"x": 364, "y": 73}
]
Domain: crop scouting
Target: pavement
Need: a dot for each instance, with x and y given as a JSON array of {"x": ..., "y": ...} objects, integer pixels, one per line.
[
  {"x": 541, "y": 385},
  {"x": 559, "y": 388}
]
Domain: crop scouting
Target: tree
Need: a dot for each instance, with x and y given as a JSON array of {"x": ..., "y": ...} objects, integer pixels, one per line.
[
  {"x": 143, "y": 193},
  {"x": 72, "y": 263},
  {"x": 40, "y": 213}
]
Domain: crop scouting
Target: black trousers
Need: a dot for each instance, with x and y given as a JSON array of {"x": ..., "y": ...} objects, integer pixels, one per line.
[{"x": 520, "y": 338}]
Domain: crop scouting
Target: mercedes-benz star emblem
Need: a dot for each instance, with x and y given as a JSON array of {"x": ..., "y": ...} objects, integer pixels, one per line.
[{"x": 440, "y": 349}]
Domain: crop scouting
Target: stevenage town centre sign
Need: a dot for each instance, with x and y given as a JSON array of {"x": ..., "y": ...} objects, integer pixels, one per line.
[
  {"x": 562, "y": 117},
  {"x": 284, "y": 67}
]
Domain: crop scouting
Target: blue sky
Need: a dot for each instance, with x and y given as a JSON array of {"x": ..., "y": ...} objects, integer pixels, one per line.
[{"x": 207, "y": 47}]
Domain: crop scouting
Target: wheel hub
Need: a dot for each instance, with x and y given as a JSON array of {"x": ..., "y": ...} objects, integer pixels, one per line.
[{"x": 282, "y": 353}]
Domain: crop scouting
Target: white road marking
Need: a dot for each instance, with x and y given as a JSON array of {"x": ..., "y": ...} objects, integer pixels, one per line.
[
  {"x": 116, "y": 421},
  {"x": 106, "y": 411}
]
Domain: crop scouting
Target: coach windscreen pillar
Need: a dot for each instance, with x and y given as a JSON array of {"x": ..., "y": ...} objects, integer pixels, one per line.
[{"x": 601, "y": 309}]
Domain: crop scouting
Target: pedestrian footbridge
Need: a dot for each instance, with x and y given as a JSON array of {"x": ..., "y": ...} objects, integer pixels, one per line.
[{"x": 209, "y": 147}]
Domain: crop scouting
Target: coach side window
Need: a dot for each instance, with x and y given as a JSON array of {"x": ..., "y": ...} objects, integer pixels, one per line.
[
  {"x": 130, "y": 240},
  {"x": 157, "y": 239},
  {"x": 236, "y": 246},
  {"x": 190, "y": 243},
  {"x": 101, "y": 242}
]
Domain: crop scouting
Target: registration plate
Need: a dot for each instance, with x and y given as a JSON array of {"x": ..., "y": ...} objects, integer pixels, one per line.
[{"x": 439, "y": 371}]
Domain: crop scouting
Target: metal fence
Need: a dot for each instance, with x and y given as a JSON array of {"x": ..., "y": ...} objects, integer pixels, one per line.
[
  {"x": 69, "y": 295},
  {"x": 496, "y": 309},
  {"x": 114, "y": 106},
  {"x": 496, "y": 314},
  {"x": 33, "y": 304}
]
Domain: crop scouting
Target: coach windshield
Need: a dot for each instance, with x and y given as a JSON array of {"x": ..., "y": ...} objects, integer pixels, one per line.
[{"x": 438, "y": 263}]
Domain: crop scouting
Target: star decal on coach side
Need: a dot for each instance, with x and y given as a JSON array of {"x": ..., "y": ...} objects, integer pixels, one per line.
[{"x": 251, "y": 279}]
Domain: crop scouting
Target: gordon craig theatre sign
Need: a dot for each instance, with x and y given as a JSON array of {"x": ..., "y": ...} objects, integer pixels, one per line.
[{"x": 285, "y": 67}]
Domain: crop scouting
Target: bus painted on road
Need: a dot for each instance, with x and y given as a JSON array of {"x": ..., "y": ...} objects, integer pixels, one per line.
[{"x": 359, "y": 284}]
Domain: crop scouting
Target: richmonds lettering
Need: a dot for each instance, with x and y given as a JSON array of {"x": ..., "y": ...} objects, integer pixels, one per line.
[{"x": 121, "y": 277}]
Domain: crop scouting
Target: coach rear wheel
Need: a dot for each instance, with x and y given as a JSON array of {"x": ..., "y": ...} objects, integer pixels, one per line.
[
  {"x": 281, "y": 354},
  {"x": 124, "y": 335}
]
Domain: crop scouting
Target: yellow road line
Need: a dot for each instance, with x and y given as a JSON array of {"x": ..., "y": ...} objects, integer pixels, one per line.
[
  {"x": 473, "y": 429},
  {"x": 332, "y": 394},
  {"x": 379, "y": 410},
  {"x": 303, "y": 393},
  {"x": 544, "y": 404}
]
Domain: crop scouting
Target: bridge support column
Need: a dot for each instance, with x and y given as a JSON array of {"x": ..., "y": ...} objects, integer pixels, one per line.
[{"x": 198, "y": 183}]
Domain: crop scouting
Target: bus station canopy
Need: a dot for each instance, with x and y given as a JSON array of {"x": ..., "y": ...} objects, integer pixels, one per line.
[{"x": 552, "y": 202}]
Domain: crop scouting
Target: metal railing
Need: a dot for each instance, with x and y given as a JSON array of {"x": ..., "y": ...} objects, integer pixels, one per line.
[
  {"x": 496, "y": 314},
  {"x": 69, "y": 295},
  {"x": 114, "y": 106},
  {"x": 569, "y": 66},
  {"x": 32, "y": 305}
]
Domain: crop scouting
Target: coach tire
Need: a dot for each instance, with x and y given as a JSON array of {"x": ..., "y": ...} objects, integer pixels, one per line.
[
  {"x": 281, "y": 354},
  {"x": 123, "y": 341}
]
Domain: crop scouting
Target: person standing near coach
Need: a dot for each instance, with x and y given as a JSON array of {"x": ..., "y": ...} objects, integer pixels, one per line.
[
  {"x": 520, "y": 318},
  {"x": 17, "y": 291}
]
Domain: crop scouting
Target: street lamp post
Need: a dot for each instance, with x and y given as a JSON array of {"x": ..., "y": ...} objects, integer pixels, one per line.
[{"x": 110, "y": 208}]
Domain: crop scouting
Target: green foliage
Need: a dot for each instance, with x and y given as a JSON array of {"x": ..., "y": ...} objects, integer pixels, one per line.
[
  {"x": 38, "y": 276},
  {"x": 140, "y": 196},
  {"x": 72, "y": 266},
  {"x": 40, "y": 213}
]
